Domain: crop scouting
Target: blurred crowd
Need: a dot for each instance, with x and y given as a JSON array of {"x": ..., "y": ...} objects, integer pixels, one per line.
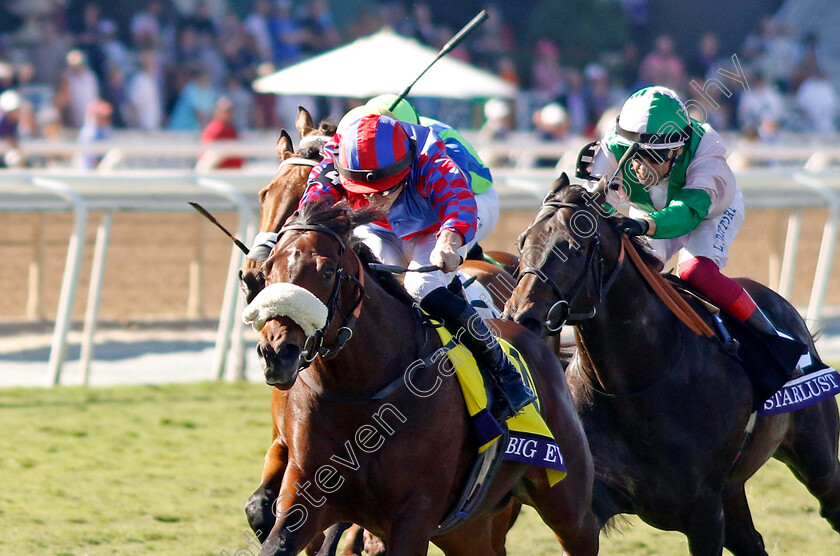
[{"x": 168, "y": 68}]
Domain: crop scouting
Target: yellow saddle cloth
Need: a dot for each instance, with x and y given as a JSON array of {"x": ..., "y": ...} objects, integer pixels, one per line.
[{"x": 530, "y": 440}]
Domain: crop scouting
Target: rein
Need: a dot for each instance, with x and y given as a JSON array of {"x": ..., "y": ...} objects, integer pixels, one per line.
[
  {"x": 669, "y": 296},
  {"x": 315, "y": 343},
  {"x": 559, "y": 313}
]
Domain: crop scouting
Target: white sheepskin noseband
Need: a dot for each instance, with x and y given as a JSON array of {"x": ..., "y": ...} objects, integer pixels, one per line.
[{"x": 286, "y": 300}]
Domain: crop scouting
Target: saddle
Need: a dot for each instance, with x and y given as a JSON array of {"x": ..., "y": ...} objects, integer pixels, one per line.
[{"x": 770, "y": 362}]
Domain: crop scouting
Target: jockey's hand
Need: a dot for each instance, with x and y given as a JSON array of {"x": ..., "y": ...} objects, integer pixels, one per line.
[
  {"x": 445, "y": 254},
  {"x": 633, "y": 226}
]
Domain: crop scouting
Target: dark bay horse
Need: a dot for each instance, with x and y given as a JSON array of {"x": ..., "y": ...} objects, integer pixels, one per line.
[
  {"x": 665, "y": 411},
  {"x": 362, "y": 446}
]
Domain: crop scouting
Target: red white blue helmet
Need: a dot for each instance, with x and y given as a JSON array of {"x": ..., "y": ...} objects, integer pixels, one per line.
[{"x": 374, "y": 154}]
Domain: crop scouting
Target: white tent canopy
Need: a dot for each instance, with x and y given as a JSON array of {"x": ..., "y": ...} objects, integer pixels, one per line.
[{"x": 384, "y": 63}]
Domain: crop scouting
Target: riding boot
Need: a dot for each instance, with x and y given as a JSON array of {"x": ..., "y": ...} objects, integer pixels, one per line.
[
  {"x": 759, "y": 321},
  {"x": 462, "y": 321},
  {"x": 786, "y": 347}
]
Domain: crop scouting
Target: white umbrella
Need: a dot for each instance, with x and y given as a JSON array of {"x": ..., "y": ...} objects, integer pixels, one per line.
[{"x": 384, "y": 62}]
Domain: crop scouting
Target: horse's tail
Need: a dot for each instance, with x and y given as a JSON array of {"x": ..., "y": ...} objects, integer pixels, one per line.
[{"x": 606, "y": 510}]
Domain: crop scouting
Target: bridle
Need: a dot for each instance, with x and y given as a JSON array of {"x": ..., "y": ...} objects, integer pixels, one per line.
[
  {"x": 560, "y": 313},
  {"x": 314, "y": 345}
]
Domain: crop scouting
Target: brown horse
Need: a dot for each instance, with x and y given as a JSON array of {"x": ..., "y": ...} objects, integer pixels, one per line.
[
  {"x": 279, "y": 199},
  {"x": 362, "y": 445},
  {"x": 665, "y": 410}
]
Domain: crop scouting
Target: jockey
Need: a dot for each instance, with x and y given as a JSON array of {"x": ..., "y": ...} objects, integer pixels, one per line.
[
  {"x": 431, "y": 217},
  {"x": 682, "y": 194},
  {"x": 457, "y": 147}
]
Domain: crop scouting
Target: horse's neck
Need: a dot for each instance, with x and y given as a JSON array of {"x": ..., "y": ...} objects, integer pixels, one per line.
[
  {"x": 387, "y": 338},
  {"x": 631, "y": 336}
]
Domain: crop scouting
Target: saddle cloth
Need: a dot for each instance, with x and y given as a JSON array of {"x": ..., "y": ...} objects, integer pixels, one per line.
[
  {"x": 775, "y": 389},
  {"x": 530, "y": 440}
]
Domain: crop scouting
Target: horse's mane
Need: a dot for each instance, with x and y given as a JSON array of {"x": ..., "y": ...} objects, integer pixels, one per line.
[
  {"x": 577, "y": 195},
  {"x": 342, "y": 219}
]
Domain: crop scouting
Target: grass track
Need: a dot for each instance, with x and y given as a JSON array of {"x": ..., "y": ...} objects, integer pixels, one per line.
[{"x": 166, "y": 470}]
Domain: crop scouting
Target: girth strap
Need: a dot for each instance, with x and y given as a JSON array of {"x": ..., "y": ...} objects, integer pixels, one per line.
[{"x": 666, "y": 292}]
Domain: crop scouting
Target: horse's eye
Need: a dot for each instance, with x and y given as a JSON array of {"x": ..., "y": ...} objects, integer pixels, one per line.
[{"x": 328, "y": 274}]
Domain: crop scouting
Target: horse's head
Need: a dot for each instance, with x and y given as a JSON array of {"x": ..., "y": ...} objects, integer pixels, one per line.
[
  {"x": 311, "y": 294},
  {"x": 563, "y": 256},
  {"x": 279, "y": 199}
]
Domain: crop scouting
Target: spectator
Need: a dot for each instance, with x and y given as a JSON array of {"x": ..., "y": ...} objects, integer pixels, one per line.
[
  {"x": 194, "y": 107},
  {"x": 146, "y": 26},
  {"x": 78, "y": 89},
  {"x": 575, "y": 100},
  {"x": 265, "y": 104},
  {"x": 494, "y": 42},
  {"x": 242, "y": 101},
  {"x": 7, "y": 76},
  {"x": 221, "y": 128},
  {"x": 116, "y": 54},
  {"x": 257, "y": 24},
  {"x": 817, "y": 99},
  {"x": 548, "y": 78},
  {"x": 662, "y": 66},
  {"x": 48, "y": 55},
  {"x": 706, "y": 60},
  {"x": 318, "y": 29},
  {"x": 286, "y": 34},
  {"x": 97, "y": 128},
  {"x": 780, "y": 54},
  {"x": 760, "y": 109},
  {"x": 551, "y": 122},
  {"x": 10, "y": 105},
  {"x": 598, "y": 94},
  {"x": 506, "y": 69},
  {"x": 498, "y": 121},
  {"x": 144, "y": 95}
]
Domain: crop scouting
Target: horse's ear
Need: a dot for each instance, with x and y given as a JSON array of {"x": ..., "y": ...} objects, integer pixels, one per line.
[
  {"x": 303, "y": 122},
  {"x": 559, "y": 183},
  {"x": 284, "y": 144}
]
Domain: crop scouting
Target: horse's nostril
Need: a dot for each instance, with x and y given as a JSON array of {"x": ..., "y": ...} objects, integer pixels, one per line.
[
  {"x": 265, "y": 350},
  {"x": 289, "y": 352}
]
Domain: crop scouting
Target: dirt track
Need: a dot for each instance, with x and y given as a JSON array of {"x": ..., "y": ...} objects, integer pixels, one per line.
[{"x": 147, "y": 275}]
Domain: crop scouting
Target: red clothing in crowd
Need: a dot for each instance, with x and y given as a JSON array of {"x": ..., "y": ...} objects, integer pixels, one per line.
[{"x": 216, "y": 131}]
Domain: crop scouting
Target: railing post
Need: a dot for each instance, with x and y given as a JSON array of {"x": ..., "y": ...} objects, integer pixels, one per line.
[
  {"x": 97, "y": 273},
  {"x": 788, "y": 272},
  {"x": 822, "y": 274},
  {"x": 227, "y": 316},
  {"x": 69, "y": 284}
]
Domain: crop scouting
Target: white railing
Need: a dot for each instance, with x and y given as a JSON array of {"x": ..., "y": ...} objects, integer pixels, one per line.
[{"x": 148, "y": 191}]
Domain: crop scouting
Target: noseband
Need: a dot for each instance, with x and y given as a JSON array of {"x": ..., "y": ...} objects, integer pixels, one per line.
[
  {"x": 315, "y": 343},
  {"x": 560, "y": 313}
]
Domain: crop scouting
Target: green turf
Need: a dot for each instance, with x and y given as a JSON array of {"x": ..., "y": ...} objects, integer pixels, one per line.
[{"x": 166, "y": 471}]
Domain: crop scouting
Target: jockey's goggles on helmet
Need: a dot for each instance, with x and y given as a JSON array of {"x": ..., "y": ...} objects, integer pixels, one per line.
[
  {"x": 657, "y": 156},
  {"x": 386, "y": 193}
]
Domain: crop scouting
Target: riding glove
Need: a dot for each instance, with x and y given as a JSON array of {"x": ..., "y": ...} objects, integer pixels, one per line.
[{"x": 632, "y": 226}]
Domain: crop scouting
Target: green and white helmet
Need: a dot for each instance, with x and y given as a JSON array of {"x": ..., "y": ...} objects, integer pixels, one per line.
[
  {"x": 654, "y": 117},
  {"x": 403, "y": 111}
]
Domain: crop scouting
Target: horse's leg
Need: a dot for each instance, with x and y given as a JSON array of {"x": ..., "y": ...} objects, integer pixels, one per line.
[
  {"x": 472, "y": 537},
  {"x": 258, "y": 509},
  {"x": 703, "y": 524},
  {"x": 740, "y": 535},
  {"x": 810, "y": 451},
  {"x": 567, "y": 509},
  {"x": 298, "y": 518},
  {"x": 331, "y": 539},
  {"x": 502, "y": 522}
]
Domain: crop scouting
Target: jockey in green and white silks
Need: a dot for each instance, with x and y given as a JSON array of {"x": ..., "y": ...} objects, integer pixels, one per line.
[{"x": 681, "y": 192}]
